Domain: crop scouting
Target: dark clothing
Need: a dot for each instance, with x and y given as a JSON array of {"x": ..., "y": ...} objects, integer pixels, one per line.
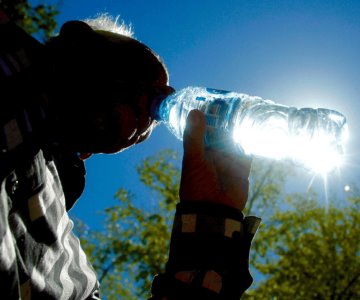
[
  {"x": 40, "y": 257},
  {"x": 209, "y": 254}
]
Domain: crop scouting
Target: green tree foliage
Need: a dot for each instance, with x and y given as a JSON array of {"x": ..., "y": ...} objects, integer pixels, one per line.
[
  {"x": 303, "y": 250},
  {"x": 267, "y": 180},
  {"x": 35, "y": 19},
  {"x": 133, "y": 247},
  {"x": 310, "y": 251}
]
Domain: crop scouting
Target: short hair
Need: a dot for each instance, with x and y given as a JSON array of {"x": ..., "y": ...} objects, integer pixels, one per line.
[
  {"x": 96, "y": 46},
  {"x": 91, "y": 56},
  {"x": 106, "y": 22}
]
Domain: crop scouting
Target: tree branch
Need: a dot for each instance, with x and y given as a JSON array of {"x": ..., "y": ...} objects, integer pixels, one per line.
[
  {"x": 259, "y": 188},
  {"x": 352, "y": 281}
]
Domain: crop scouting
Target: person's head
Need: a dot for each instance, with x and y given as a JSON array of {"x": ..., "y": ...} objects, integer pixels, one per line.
[{"x": 102, "y": 85}]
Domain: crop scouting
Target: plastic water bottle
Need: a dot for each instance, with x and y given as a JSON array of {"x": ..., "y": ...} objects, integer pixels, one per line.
[{"x": 253, "y": 126}]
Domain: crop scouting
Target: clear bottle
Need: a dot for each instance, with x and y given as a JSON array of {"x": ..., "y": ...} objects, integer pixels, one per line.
[{"x": 253, "y": 126}]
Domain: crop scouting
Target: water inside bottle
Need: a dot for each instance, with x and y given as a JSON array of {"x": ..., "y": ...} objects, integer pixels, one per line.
[{"x": 253, "y": 126}]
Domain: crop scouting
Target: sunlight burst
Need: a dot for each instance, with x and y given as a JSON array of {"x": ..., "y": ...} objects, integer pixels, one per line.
[{"x": 320, "y": 152}]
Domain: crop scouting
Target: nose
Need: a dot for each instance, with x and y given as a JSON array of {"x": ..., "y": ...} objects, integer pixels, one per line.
[{"x": 168, "y": 90}]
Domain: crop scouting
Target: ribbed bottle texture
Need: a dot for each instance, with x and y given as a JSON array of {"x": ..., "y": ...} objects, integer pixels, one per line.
[{"x": 253, "y": 126}]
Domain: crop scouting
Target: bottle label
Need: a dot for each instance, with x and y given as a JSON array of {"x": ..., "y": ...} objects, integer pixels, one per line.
[
  {"x": 217, "y": 118},
  {"x": 216, "y": 112}
]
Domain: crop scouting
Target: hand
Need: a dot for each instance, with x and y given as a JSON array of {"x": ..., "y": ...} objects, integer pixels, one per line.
[{"x": 209, "y": 174}]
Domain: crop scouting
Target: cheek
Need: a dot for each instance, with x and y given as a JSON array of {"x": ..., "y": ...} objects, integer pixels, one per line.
[
  {"x": 124, "y": 121},
  {"x": 143, "y": 113},
  {"x": 112, "y": 129}
]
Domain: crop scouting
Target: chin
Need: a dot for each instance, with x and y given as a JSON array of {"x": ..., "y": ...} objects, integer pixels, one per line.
[
  {"x": 121, "y": 146},
  {"x": 118, "y": 149}
]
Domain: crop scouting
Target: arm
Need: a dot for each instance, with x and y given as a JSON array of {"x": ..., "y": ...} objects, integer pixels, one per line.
[{"x": 211, "y": 239}]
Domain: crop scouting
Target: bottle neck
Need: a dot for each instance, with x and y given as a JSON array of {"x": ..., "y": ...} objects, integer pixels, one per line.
[{"x": 155, "y": 109}]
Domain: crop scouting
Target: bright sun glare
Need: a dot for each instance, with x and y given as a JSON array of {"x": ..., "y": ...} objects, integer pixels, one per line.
[
  {"x": 313, "y": 138},
  {"x": 319, "y": 151}
]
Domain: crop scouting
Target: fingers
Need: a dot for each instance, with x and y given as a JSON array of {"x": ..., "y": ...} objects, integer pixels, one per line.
[
  {"x": 209, "y": 174},
  {"x": 195, "y": 171},
  {"x": 194, "y": 147},
  {"x": 232, "y": 165}
]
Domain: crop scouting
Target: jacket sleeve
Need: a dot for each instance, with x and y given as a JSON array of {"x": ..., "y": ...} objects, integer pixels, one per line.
[{"x": 209, "y": 254}]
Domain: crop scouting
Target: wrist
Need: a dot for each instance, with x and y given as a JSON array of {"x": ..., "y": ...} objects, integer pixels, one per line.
[{"x": 209, "y": 253}]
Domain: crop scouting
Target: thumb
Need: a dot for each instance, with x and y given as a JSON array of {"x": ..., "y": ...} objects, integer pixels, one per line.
[{"x": 194, "y": 133}]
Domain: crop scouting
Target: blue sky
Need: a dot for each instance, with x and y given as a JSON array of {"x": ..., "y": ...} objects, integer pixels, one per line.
[{"x": 298, "y": 53}]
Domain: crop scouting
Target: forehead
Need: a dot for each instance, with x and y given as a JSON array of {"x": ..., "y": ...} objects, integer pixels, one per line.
[
  {"x": 123, "y": 58},
  {"x": 81, "y": 54}
]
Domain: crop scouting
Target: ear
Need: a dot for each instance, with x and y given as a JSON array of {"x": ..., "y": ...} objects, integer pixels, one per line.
[{"x": 76, "y": 30}]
